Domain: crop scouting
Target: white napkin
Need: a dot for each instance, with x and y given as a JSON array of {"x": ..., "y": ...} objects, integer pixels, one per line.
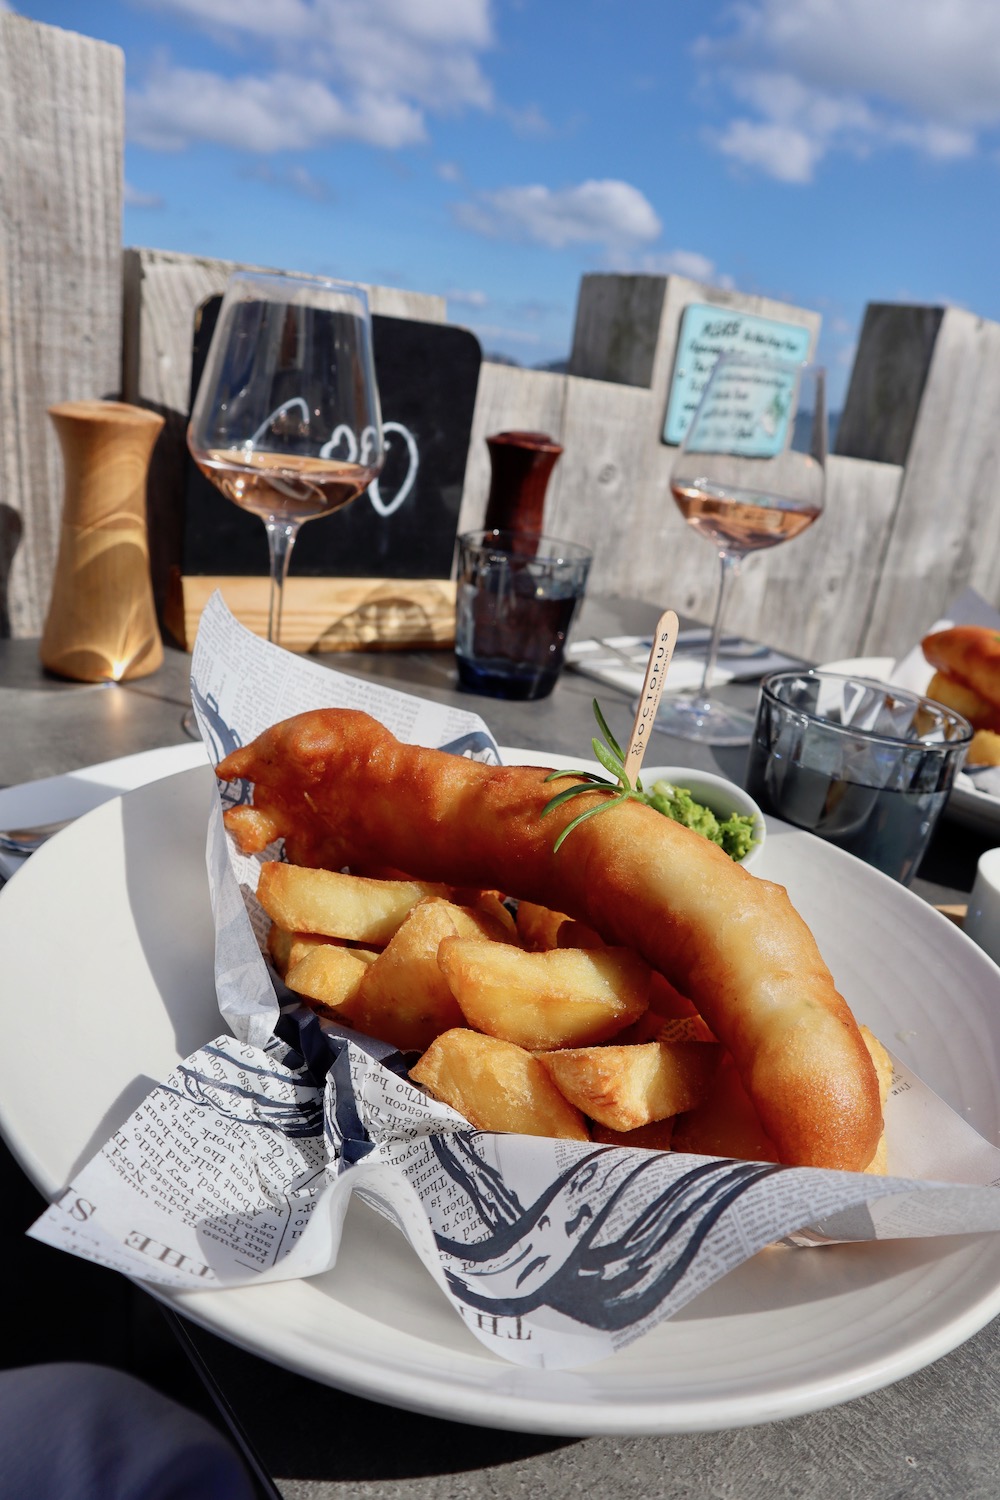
[{"x": 602, "y": 660}]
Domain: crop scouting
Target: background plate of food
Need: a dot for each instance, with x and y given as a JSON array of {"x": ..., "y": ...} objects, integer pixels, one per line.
[{"x": 975, "y": 797}]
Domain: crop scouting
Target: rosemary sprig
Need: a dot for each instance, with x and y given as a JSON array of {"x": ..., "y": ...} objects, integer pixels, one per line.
[{"x": 619, "y": 790}]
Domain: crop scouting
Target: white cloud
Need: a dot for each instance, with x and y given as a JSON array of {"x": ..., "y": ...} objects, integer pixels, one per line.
[
  {"x": 279, "y": 112},
  {"x": 856, "y": 75},
  {"x": 133, "y": 196},
  {"x": 688, "y": 263},
  {"x": 367, "y": 70},
  {"x": 780, "y": 150},
  {"x": 449, "y": 171},
  {"x": 594, "y": 212}
]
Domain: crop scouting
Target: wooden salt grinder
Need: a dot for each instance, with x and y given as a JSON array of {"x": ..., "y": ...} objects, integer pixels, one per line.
[
  {"x": 521, "y": 463},
  {"x": 101, "y": 625}
]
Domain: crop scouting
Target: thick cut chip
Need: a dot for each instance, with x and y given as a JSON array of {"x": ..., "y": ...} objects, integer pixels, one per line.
[
  {"x": 342, "y": 906},
  {"x": 627, "y": 1087},
  {"x": 280, "y": 943},
  {"x": 304, "y": 945},
  {"x": 538, "y": 926},
  {"x": 491, "y": 902},
  {"x": 669, "y": 1003},
  {"x": 497, "y": 1086},
  {"x": 655, "y": 1136},
  {"x": 286, "y": 949},
  {"x": 328, "y": 975},
  {"x": 648, "y": 1028},
  {"x": 565, "y": 997},
  {"x": 404, "y": 998},
  {"x": 725, "y": 1123}
]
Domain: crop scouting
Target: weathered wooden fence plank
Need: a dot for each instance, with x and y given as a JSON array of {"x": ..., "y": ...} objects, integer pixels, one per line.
[
  {"x": 945, "y": 534},
  {"x": 61, "y": 140}
]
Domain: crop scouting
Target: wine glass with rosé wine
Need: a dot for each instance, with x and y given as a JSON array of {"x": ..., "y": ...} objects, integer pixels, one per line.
[
  {"x": 286, "y": 420},
  {"x": 750, "y": 473}
]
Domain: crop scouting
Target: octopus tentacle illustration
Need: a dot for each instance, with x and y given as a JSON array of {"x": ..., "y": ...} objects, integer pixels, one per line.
[{"x": 567, "y": 1251}]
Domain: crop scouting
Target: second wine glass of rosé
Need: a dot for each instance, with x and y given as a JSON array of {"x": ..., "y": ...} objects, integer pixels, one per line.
[
  {"x": 286, "y": 419},
  {"x": 749, "y": 474}
]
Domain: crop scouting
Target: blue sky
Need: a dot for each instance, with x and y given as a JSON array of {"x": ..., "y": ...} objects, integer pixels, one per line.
[{"x": 826, "y": 152}]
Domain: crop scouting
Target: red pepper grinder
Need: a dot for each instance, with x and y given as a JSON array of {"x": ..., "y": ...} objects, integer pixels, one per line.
[{"x": 522, "y": 463}]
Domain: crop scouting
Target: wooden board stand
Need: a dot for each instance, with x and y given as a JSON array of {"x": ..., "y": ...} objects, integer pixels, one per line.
[{"x": 325, "y": 614}]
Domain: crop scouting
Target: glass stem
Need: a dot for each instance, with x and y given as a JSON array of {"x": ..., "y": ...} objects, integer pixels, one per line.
[
  {"x": 730, "y": 562},
  {"x": 280, "y": 541}
]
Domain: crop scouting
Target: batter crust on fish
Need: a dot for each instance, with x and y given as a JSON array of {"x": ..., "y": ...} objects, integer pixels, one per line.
[{"x": 341, "y": 790}]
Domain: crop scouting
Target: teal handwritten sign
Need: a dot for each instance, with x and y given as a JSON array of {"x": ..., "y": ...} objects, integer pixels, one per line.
[{"x": 705, "y": 333}]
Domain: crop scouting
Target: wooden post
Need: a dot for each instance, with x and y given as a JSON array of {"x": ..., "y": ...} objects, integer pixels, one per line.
[
  {"x": 925, "y": 392},
  {"x": 61, "y": 135}
]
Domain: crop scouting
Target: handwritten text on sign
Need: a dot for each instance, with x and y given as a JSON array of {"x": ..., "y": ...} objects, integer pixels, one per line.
[{"x": 705, "y": 333}]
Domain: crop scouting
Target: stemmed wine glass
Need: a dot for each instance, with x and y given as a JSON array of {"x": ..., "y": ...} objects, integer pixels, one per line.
[
  {"x": 749, "y": 474},
  {"x": 286, "y": 420}
]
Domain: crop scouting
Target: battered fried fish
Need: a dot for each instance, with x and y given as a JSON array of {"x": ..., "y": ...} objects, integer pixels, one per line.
[{"x": 341, "y": 789}]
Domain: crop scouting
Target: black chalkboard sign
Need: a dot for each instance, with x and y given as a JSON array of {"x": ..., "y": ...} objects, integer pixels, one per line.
[{"x": 402, "y": 527}]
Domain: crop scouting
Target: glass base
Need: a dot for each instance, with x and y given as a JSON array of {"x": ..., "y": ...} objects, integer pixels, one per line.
[
  {"x": 707, "y": 723},
  {"x": 500, "y": 678}
]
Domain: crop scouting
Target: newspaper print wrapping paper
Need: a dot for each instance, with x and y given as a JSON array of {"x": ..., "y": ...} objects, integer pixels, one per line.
[{"x": 239, "y": 1166}]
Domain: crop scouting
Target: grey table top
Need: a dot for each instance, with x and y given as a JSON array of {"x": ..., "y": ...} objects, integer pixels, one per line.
[{"x": 932, "y": 1434}]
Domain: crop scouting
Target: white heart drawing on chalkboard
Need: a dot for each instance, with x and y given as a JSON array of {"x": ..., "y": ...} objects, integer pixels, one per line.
[
  {"x": 343, "y": 434},
  {"x": 388, "y": 508}
]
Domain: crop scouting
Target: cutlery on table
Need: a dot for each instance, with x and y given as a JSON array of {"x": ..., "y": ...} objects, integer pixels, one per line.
[
  {"x": 688, "y": 640},
  {"x": 27, "y": 840}
]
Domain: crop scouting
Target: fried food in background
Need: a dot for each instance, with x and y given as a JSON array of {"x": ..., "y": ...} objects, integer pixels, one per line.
[
  {"x": 341, "y": 789},
  {"x": 966, "y": 659},
  {"x": 984, "y": 749}
]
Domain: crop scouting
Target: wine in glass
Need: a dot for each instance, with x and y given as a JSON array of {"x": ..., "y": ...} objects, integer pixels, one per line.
[
  {"x": 750, "y": 473},
  {"x": 286, "y": 419}
]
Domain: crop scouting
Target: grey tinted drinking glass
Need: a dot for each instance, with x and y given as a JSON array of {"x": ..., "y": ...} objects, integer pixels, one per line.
[
  {"x": 864, "y": 765},
  {"x": 517, "y": 595}
]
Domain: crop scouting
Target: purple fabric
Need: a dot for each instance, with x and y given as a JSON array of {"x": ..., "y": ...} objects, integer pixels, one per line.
[{"x": 84, "y": 1432}]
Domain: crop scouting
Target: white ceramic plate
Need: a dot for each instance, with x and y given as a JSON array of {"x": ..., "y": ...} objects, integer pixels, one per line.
[
  {"x": 107, "y": 946},
  {"x": 967, "y": 804},
  {"x": 52, "y": 799}
]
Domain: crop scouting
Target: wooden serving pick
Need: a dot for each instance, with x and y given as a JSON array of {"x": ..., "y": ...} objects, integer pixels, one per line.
[
  {"x": 660, "y": 656},
  {"x": 101, "y": 625}
]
